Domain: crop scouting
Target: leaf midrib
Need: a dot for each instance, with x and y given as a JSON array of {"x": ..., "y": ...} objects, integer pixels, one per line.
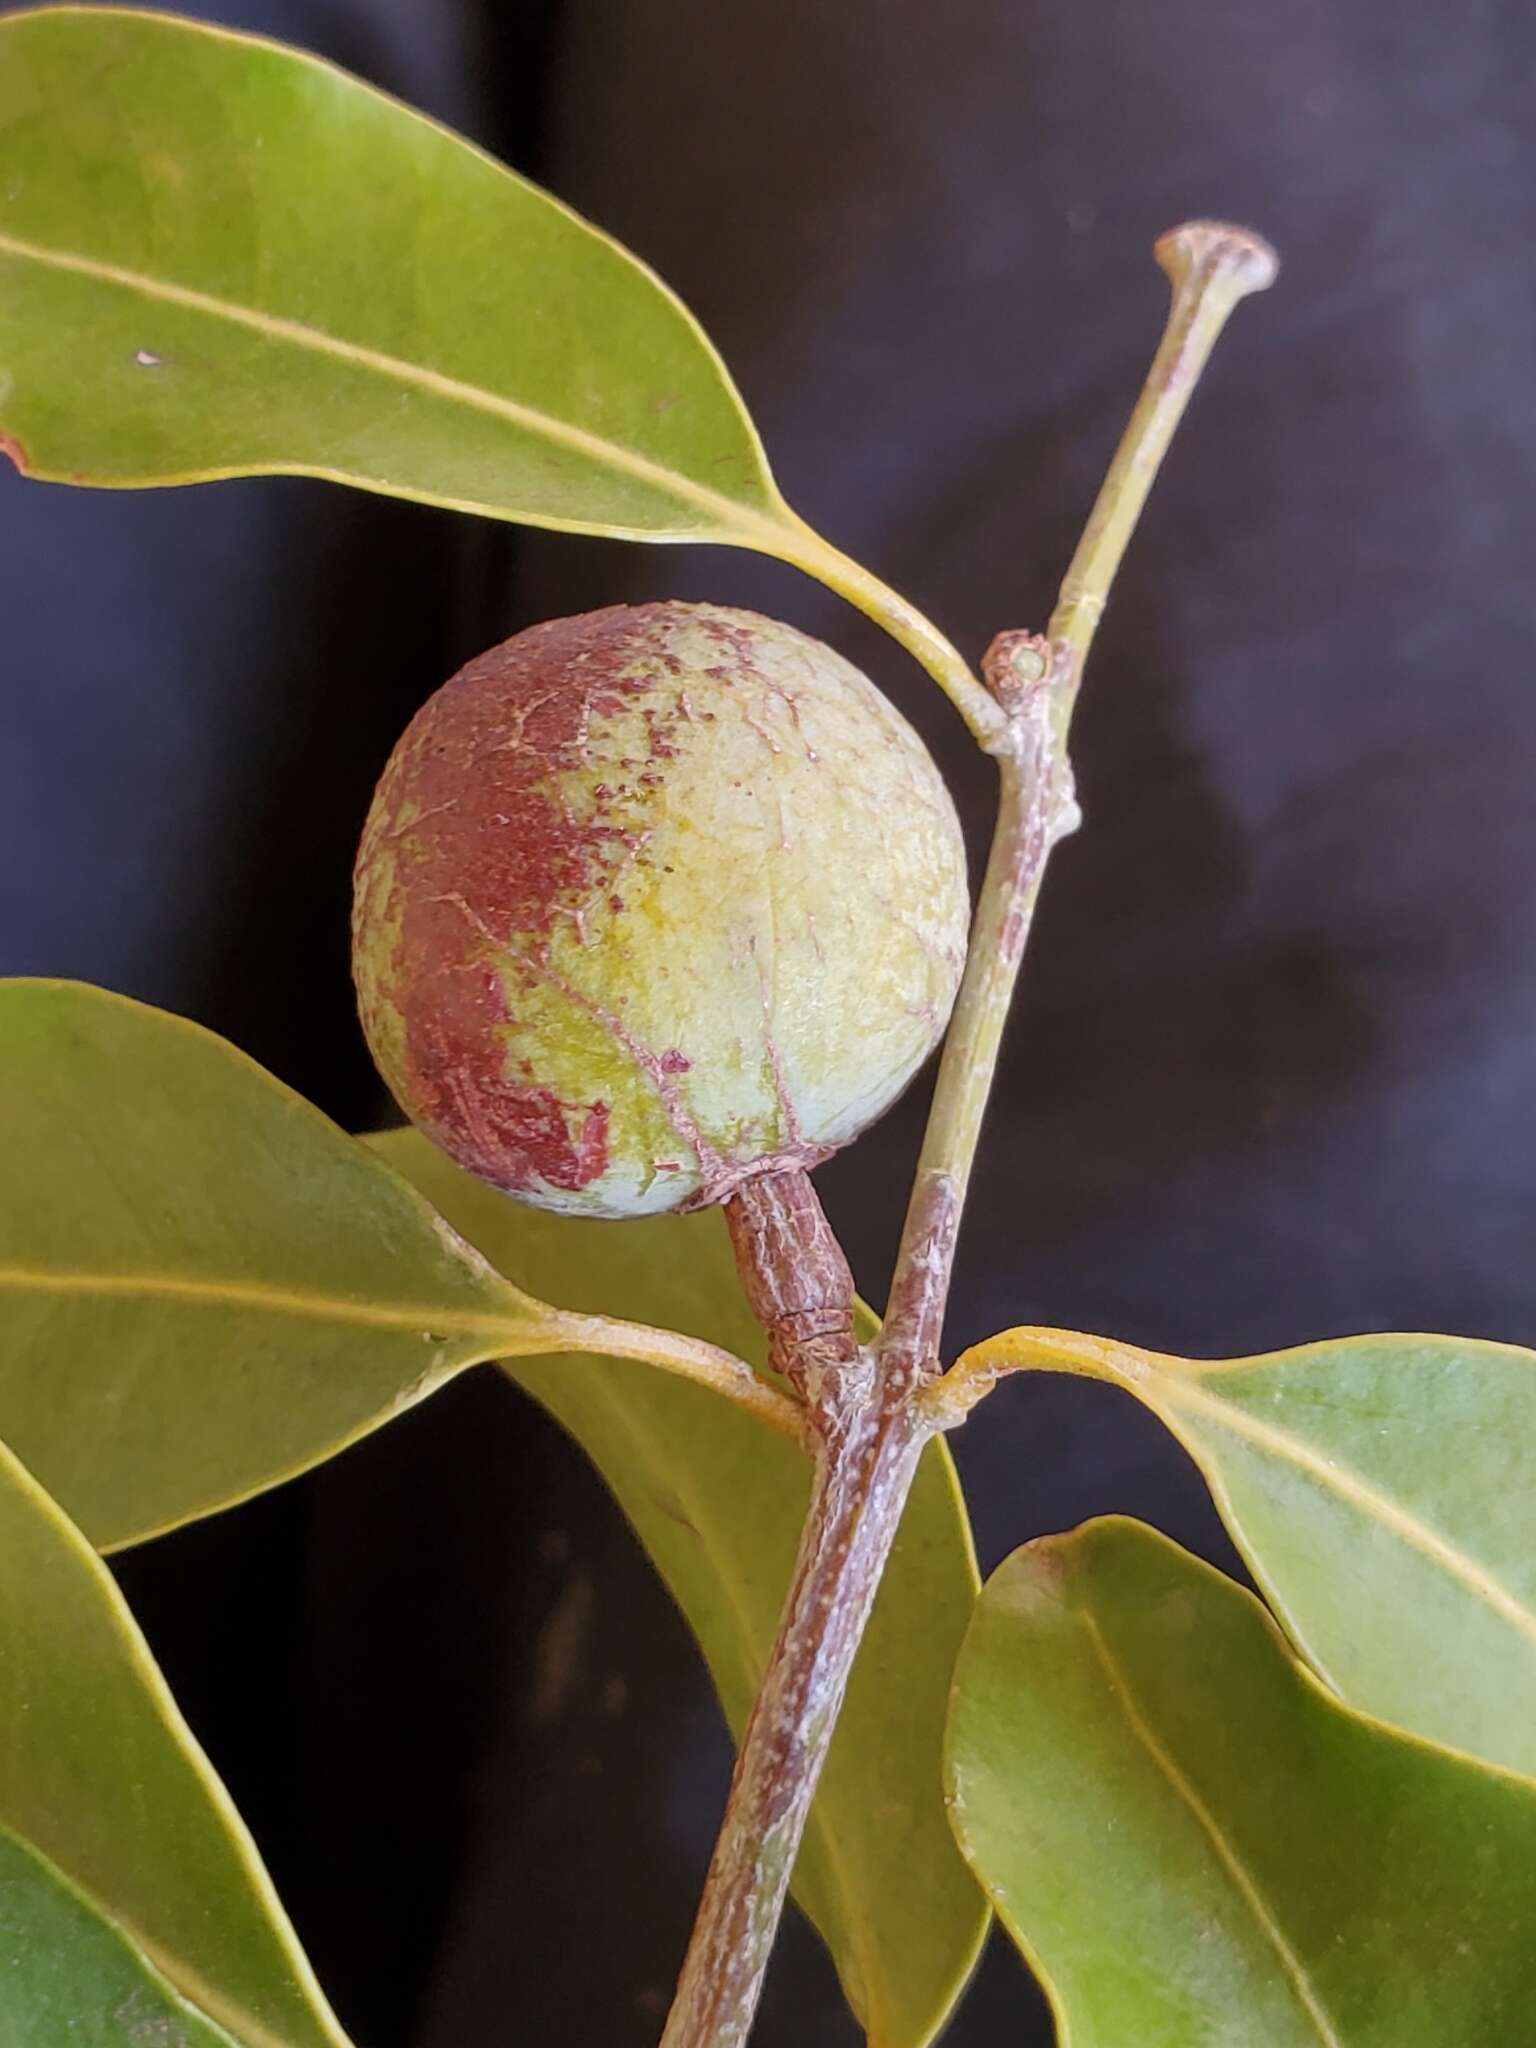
[
  {"x": 424, "y": 1318},
  {"x": 1264, "y": 1917},
  {"x": 728, "y": 514},
  {"x": 1344, "y": 1481},
  {"x": 1177, "y": 1394}
]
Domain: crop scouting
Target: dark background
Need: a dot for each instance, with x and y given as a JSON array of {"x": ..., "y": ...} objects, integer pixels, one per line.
[{"x": 1274, "y": 1067}]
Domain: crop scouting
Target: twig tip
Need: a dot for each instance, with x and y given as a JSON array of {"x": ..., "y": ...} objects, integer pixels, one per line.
[{"x": 1243, "y": 258}]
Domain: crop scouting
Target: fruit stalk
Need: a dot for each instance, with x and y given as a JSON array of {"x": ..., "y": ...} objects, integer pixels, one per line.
[
  {"x": 906, "y": 625},
  {"x": 869, "y": 1440},
  {"x": 797, "y": 1283}
]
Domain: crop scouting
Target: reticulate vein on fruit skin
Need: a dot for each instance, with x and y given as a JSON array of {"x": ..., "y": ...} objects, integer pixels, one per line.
[
  {"x": 710, "y": 1163},
  {"x": 715, "y": 1171},
  {"x": 404, "y": 825},
  {"x": 762, "y": 732},
  {"x": 908, "y": 924},
  {"x": 792, "y": 1136},
  {"x": 521, "y": 711},
  {"x": 786, "y": 842},
  {"x": 646, "y": 1063},
  {"x": 634, "y": 844},
  {"x": 468, "y": 910},
  {"x": 792, "y": 703}
]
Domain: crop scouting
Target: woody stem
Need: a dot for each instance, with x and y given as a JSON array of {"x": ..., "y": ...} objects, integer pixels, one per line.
[{"x": 867, "y": 1418}]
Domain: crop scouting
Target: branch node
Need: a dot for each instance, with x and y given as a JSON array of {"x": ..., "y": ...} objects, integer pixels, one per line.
[{"x": 1015, "y": 668}]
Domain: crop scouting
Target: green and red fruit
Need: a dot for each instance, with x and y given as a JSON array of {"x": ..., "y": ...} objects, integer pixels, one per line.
[{"x": 653, "y": 900}]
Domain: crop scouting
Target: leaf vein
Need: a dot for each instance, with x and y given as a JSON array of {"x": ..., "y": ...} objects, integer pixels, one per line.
[
  {"x": 730, "y": 515},
  {"x": 248, "y": 1294},
  {"x": 1226, "y": 1854},
  {"x": 1348, "y": 1484}
]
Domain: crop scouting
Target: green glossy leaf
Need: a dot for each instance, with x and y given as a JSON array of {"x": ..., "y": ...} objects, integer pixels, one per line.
[
  {"x": 133, "y": 1907},
  {"x": 717, "y": 1499},
  {"x": 220, "y": 256},
  {"x": 205, "y": 1286},
  {"x": 1194, "y": 1843},
  {"x": 1380, "y": 1489},
  {"x": 68, "y": 1975}
]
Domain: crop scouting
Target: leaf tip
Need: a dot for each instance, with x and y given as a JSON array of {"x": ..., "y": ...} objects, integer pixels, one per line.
[{"x": 1048, "y": 1563}]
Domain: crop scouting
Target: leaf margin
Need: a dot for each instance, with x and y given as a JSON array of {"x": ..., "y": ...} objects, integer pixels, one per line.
[
  {"x": 1319, "y": 1695},
  {"x": 160, "y": 1703},
  {"x": 1141, "y": 1371},
  {"x": 763, "y": 533}
]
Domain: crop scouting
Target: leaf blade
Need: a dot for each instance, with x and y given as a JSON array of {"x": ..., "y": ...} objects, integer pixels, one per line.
[
  {"x": 238, "y": 1287},
  {"x": 716, "y": 1498},
  {"x": 158, "y": 217},
  {"x": 69, "y": 1974},
  {"x": 1192, "y": 1840},
  {"x": 1378, "y": 1488},
  {"x": 125, "y": 1839}
]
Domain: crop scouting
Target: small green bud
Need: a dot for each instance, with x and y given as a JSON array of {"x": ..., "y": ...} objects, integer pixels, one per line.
[{"x": 651, "y": 901}]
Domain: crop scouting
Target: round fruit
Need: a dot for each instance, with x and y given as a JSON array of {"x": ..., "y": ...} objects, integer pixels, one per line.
[{"x": 653, "y": 900}]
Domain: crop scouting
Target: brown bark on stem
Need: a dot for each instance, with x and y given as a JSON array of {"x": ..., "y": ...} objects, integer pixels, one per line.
[
  {"x": 870, "y": 1411},
  {"x": 863, "y": 1471},
  {"x": 866, "y": 1440}
]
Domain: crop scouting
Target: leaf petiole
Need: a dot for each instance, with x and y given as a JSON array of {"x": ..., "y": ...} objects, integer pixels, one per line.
[
  {"x": 805, "y": 549},
  {"x": 689, "y": 1357}
]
